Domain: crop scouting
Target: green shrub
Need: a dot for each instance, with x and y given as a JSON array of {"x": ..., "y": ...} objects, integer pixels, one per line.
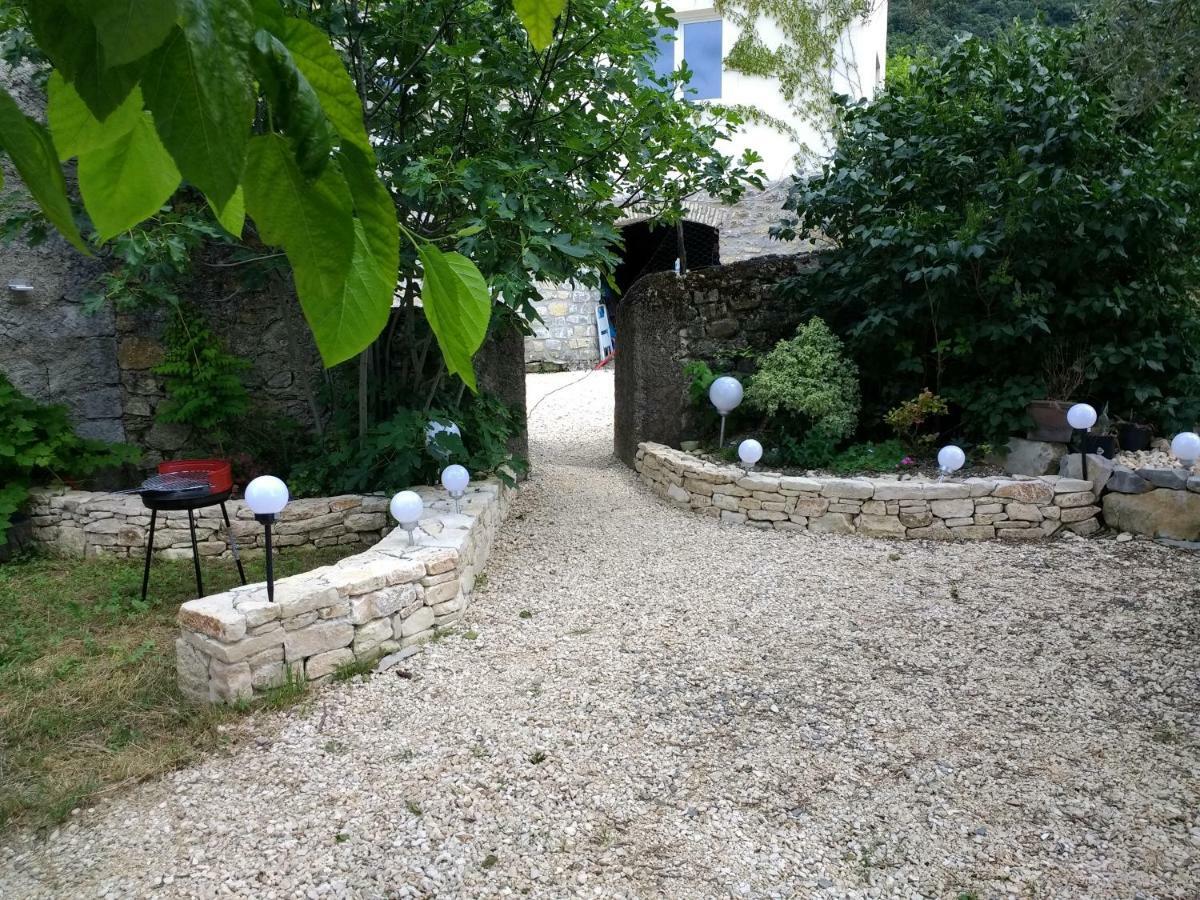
[
  {"x": 37, "y": 444},
  {"x": 995, "y": 204},
  {"x": 700, "y": 379},
  {"x": 908, "y": 419},
  {"x": 806, "y": 383}
]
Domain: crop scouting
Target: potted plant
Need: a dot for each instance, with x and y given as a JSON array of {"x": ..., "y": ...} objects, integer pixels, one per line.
[
  {"x": 1133, "y": 436},
  {"x": 1063, "y": 369},
  {"x": 1102, "y": 441}
]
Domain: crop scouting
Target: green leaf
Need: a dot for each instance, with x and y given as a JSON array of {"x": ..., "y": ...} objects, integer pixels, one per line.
[
  {"x": 457, "y": 306},
  {"x": 31, "y": 149},
  {"x": 313, "y": 223},
  {"x": 127, "y": 181},
  {"x": 295, "y": 109},
  {"x": 232, "y": 215},
  {"x": 373, "y": 266},
  {"x": 75, "y": 129},
  {"x": 323, "y": 68},
  {"x": 538, "y": 17},
  {"x": 198, "y": 85},
  {"x": 129, "y": 29},
  {"x": 72, "y": 44}
]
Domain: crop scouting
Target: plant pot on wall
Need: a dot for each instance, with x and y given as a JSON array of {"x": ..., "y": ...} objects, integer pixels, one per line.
[
  {"x": 1050, "y": 420},
  {"x": 1101, "y": 444},
  {"x": 1134, "y": 437}
]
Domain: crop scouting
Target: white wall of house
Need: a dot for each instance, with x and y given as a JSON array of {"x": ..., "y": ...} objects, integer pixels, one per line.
[{"x": 858, "y": 71}]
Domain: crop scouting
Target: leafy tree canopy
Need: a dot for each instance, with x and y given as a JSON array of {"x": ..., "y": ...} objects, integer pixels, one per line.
[
  {"x": 994, "y": 211},
  {"x": 934, "y": 24}
]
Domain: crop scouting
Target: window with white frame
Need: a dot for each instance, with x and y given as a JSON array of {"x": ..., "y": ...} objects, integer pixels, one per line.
[{"x": 699, "y": 45}]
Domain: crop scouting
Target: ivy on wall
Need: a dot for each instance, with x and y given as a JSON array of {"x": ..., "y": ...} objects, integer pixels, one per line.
[{"x": 808, "y": 58}]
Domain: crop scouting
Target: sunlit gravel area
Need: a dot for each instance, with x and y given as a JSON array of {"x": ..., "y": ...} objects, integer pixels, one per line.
[{"x": 643, "y": 703}]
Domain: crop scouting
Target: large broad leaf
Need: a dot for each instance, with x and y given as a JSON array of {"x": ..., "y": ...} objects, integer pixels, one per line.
[
  {"x": 232, "y": 215},
  {"x": 73, "y": 126},
  {"x": 538, "y": 17},
  {"x": 127, "y": 181},
  {"x": 32, "y": 151},
  {"x": 198, "y": 85},
  {"x": 72, "y": 44},
  {"x": 313, "y": 222},
  {"x": 129, "y": 29},
  {"x": 457, "y": 306},
  {"x": 295, "y": 108},
  {"x": 327, "y": 74},
  {"x": 372, "y": 283}
]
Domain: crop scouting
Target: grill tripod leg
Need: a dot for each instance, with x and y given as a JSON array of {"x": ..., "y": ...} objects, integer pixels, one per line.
[
  {"x": 237, "y": 558},
  {"x": 149, "y": 553}
]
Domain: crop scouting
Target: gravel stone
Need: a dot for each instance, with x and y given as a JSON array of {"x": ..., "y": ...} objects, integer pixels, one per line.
[{"x": 693, "y": 710}]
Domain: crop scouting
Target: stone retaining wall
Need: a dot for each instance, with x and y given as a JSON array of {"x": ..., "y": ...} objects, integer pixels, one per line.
[
  {"x": 971, "y": 509},
  {"x": 387, "y": 599},
  {"x": 1155, "y": 502},
  {"x": 86, "y": 523}
]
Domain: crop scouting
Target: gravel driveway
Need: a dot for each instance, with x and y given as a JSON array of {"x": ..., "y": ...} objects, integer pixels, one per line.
[{"x": 650, "y": 705}]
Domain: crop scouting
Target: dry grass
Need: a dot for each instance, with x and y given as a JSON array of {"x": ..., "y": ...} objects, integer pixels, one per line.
[{"x": 88, "y": 700}]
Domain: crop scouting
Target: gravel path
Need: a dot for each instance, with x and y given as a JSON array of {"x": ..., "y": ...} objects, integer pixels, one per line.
[{"x": 651, "y": 705}]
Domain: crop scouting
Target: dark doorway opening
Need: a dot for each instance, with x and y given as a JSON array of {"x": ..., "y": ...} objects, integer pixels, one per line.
[{"x": 656, "y": 248}]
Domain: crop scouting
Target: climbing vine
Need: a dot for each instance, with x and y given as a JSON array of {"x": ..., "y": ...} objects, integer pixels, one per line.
[{"x": 807, "y": 59}]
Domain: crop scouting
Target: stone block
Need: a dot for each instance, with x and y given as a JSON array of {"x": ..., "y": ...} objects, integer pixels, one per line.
[
  {"x": 1026, "y": 457},
  {"x": 369, "y": 572},
  {"x": 1019, "y": 534},
  {"x": 759, "y": 483},
  {"x": 802, "y": 485},
  {"x": 973, "y": 532},
  {"x": 419, "y": 621},
  {"x": 214, "y": 616},
  {"x": 324, "y": 664},
  {"x": 678, "y": 495},
  {"x": 229, "y": 682},
  {"x": 847, "y": 488},
  {"x": 811, "y": 507},
  {"x": 236, "y": 652},
  {"x": 853, "y": 507},
  {"x": 831, "y": 523},
  {"x": 986, "y": 509},
  {"x": 440, "y": 593},
  {"x": 964, "y": 520},
  {"x": 1039, "y": 493},
  {"x": 766, "y": 515},
  {"x": 317, "y": 638},
  {"x": 789, "y": 525},
  {"x": 295, "y": 623},
  {"x": 916, "y": 518},
  {"x": 372, "y": 635},
  {"x": 733, "y": 517},
  {"x": 1099, "y": 470},
  {"x": 1124, "y": 480},
  {"x": 1085, "y": 528},
  {"x": 946, "y": 490},
  {"x": 1063, "y": 485},
  {"x": 1157, "y": 513},
  {"x": 1023, "y": 512},
  {"x": 902, "y": 490},
  {"x": 1170, "y": 479},
  {"x": 191, "y": 671},
  {"x": 874, "y": 508},
  {"x": 935, "y": 532},
  {"x": 952, "y": 509},
  {"x": 1078, "y": 513},
  {"x": 1075, "y": 498},
  {"x": 874, "y": 525}
]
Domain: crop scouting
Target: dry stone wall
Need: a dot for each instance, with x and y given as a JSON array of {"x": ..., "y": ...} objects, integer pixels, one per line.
[
  {"x": 388, "y": 599},
  {"x": 87, "y": 523},
  {"x": 1018, "y": 509}
]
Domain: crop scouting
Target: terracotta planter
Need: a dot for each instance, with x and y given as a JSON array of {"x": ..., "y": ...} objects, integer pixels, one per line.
[{"x": 1050, "y": 420}]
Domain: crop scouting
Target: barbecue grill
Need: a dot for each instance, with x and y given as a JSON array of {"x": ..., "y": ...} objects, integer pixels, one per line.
[{"x": 188, "y": 485}]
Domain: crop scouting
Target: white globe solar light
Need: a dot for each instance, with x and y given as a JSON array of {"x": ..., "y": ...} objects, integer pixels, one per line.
[
  {"x": 432, "y": 430},
  {"x": 455, "y": 479},
  {"x": 725, "y": 394},
  {"x": 1185, "y": 447},
  {"x": 406, "y": 508},
  {"x": 266, "y": 495},
  {"x": 750, "y": 451},
  {"x": 951, "y": 458},
  {"x": 1081, "y": 416}
]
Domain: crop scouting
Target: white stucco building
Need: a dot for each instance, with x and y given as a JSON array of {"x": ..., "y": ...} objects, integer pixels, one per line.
[{"x": 703, "y": 39}]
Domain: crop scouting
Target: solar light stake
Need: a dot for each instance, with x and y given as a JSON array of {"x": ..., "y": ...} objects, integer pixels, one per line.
[
  {"x": 725, "y": 394},
  {"x": 267, "y": 496},
  {"x": 1081, "y": 417}
]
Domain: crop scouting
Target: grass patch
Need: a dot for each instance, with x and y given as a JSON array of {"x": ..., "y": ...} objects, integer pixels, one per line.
[
  {"x": 88, "y": 700},
  {"x": 363, "y": 667}
]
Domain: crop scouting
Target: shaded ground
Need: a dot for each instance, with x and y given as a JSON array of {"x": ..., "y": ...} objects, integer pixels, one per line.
[{"x": 643, "y": 703}]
